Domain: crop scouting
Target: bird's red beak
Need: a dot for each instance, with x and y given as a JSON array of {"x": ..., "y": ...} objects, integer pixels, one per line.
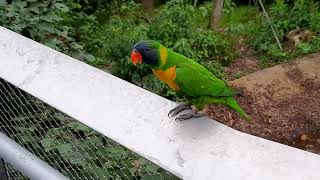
[{"x": 136, "y": 57}]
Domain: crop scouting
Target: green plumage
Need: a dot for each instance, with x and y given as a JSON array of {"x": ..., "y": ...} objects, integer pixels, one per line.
[{"x": 198, "y": 84}]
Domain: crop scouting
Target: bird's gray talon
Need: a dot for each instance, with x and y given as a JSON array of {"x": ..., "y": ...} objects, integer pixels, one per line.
[
  {"x": 173, "y": 112},
  {"x": 189, "y": 116}
]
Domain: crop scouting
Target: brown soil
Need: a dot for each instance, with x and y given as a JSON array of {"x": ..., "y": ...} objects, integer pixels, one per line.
[
  {"x": 245, "y": 63},
  {"x": 283, "y": 103},
  {"x": 241, "y": 66}
]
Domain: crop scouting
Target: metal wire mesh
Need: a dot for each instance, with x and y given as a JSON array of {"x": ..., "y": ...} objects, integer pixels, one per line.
[
  {"x": 13, "y": 174},
  {"x": 74, "y": 149}
]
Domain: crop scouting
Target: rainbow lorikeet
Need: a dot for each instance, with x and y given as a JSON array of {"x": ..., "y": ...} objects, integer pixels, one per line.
[{"x": 185, "y": 76}]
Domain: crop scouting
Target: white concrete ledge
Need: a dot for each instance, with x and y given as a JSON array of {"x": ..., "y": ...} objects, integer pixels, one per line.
[{"x": 194, "y": 149}]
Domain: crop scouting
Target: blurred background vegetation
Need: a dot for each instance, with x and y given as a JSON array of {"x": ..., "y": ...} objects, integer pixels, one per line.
[{"x": 102, "y": 32}]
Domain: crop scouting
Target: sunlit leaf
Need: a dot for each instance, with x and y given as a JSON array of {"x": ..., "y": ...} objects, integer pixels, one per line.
[{"x": 62, "y": 7}]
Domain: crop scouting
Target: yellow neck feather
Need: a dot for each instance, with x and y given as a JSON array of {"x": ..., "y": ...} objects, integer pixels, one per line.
[{"x": 163, "y": 55}]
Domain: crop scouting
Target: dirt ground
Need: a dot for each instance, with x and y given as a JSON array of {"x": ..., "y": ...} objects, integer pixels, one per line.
[{"x": 283, "y": 102}]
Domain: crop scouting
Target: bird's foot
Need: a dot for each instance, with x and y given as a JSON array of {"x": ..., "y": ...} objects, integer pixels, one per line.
[
  {"x": 173, "y": 112},
  {"x": 190, "y": 115}
]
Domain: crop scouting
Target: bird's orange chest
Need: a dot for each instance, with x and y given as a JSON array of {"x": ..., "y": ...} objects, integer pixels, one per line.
[{"x": 167, "y": 76}]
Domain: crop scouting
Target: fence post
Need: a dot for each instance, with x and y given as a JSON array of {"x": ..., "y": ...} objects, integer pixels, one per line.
[{"x": 25, "y": 162}]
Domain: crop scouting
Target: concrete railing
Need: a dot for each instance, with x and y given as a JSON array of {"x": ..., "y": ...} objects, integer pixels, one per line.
[{"x": 194, "y": 149}]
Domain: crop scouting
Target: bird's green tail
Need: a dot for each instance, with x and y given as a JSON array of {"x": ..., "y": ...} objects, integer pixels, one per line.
[
  {"x": 231, "y": 102},
  {"x": 200, "y": 103}
]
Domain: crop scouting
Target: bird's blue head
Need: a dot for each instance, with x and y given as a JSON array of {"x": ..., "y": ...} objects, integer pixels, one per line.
[{"x": 145, "y": 52}]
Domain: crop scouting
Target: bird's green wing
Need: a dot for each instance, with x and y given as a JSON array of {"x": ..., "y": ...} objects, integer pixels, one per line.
[{"x": 194, "y": 80}]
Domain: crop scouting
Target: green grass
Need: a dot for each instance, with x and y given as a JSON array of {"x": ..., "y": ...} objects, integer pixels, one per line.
[{"x": 239, "y": 15}]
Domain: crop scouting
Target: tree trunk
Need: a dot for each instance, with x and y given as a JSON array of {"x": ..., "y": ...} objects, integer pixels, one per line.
[
  {"x": 216, "y": 13},
  {"x": 195, "y": 3},
  {"x": 148, "y": 4}
]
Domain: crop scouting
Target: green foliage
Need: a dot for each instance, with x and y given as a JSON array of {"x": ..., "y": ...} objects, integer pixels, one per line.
[
  {"x": 172, "y": 23},
  {"x": 175, "y": 27},
  {"x": 285, "y": 17},
  {"x": 113, "y": 42},
  {"x": 239, "y": 16},
  {"x": 102, "y": 158},
  {"x": 228, "y": 6},
  {"x": 103, "y": 33},
  {"x": 56, "y": 24},
  {"x": 213, "y": 47}
]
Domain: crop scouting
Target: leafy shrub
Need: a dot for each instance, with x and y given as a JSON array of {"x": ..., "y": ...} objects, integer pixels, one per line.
[
  {"x": 285, "y": 17},
  {"x": 210, "y": 46},
  {"x": 55, "y": 24},
  {"x": 104, "y": 35},
  {"x": 173, "y": 25},
  {"x": 113, "y": 43}
]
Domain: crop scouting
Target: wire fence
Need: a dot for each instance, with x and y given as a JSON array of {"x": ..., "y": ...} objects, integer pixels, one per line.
[
  {"x": 69, "y": 146},
  {"x": 13, "y": 174}
]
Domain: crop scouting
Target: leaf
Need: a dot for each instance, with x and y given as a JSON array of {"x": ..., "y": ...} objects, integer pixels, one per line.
[
  {"x": 3, "y": 2},
  {"x": 76, "y": 46},
  {"x": 53, "y": 43},
  {"x": 11, "y": 14},
  {"x": 89, "y": 58},
  {"x": 94, "y": 141},
  {"x": 99, "y": 173},
  {"x": 62, "y": 7},
  {"x": 22, "y": 118},
  {"x": 54, "y": 132},
  {"x": 46, "y": 27},
  {"x": 78, "y": 126},
  {"x": 60, "y": 116},
  {"x": 133, "y": 170},
  {"x": 48, "y": 142},
  {"x": 152, "y": 177},
  {"x": 204, "y": 11},
  {"x": 151, "y": 168},
  {"x": 63, "y": 33},
  {"x": 56, "y": 18},
  {"x": 65, "y": 148},
  {"x": 116, "y": 150},
  {"x": 20, "y": 4},
  {"x": 143, "y": 161},
  {"x": 79, "y": 158},
  {"x": 25, "y": 138},
  {"x": 26, "y": 129}
]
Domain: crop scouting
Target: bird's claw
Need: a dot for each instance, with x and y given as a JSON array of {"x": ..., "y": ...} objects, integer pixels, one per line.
[
  {"x": 189, "y": 115},
  {"x": 173, "y": 112}
]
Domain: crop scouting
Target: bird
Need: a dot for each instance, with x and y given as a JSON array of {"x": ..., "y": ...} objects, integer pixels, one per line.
[{"x": 187, "y": 78}]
